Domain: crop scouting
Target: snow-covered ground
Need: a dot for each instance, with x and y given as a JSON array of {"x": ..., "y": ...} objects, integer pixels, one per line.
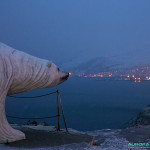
[{"x": 102, "y": 139}]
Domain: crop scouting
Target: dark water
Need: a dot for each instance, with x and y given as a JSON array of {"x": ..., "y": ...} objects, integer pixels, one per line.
[{"x": 89, "y": 104}]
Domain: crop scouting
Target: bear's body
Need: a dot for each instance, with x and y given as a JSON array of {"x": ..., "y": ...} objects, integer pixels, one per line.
[{"x": 20, "y": 72}]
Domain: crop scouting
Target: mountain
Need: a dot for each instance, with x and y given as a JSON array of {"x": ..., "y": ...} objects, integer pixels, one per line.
[
  {"x": 87, "y": 64},
  {"x": 94, "y": 65}
]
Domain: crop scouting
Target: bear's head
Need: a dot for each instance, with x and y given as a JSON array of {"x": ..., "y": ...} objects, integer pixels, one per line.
[
  {"x": 56, "y": 75},
  {"x": 37, "y": 77}
]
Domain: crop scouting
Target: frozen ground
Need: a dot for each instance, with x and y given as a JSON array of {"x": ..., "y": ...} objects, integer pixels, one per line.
[{"x": 47, "y": 138}]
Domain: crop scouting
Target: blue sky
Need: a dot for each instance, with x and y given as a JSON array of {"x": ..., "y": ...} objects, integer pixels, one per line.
[{"x": 62, "y": 30}]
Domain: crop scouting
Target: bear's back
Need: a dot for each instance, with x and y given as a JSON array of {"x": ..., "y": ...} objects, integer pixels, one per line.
[
  {"x": 17, "y": 55},
  {"x": 5, "y": 50}
]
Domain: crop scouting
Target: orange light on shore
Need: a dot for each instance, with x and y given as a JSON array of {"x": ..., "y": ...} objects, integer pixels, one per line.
[{"x": 133, "y": 76}]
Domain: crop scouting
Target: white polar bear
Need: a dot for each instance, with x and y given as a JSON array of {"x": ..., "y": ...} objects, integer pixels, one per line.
[{"x": 20, "y": 72}]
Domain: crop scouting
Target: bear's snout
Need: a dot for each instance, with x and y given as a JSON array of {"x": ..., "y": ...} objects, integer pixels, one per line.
[{"x": 64, "y": 76}]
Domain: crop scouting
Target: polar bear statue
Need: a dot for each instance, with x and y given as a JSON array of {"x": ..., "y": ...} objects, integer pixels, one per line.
[{"x": 20, "y": 72}]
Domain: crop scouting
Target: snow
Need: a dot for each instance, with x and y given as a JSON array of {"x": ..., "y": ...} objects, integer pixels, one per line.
[
  {"x": 105, "y": 139},
  {"x": 111, "y": 143}
]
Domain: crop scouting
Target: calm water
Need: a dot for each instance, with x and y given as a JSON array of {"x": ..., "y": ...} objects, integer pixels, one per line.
[{"x": 89, "y": 104}]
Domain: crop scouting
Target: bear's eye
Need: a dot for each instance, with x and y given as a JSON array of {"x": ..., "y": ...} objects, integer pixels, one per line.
[{"x": 58, "y": 69}]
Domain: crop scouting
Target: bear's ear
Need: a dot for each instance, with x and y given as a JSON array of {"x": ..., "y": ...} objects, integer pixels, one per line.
[{"x": 49, "y": 64}]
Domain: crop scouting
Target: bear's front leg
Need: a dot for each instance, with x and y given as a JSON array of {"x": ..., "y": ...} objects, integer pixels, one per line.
[{"x": 7, "y": 133}]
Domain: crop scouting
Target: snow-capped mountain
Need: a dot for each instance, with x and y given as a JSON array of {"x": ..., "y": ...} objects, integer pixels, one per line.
[{"x": 95, "y": 65}]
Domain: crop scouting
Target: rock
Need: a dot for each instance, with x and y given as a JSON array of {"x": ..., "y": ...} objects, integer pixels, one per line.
[
  {"x": 143, "y": 118},
  {"x": 32, "y": 123},
  {"x": 35, "y": 123},
  {"x": 29, "y": 122}
]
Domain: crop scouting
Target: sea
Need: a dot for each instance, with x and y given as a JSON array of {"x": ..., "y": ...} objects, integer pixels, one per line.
[{"x": 89, "y": 103}]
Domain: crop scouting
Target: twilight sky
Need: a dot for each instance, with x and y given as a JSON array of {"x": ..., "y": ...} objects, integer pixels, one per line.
[{"x": 64, "y": 30}]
